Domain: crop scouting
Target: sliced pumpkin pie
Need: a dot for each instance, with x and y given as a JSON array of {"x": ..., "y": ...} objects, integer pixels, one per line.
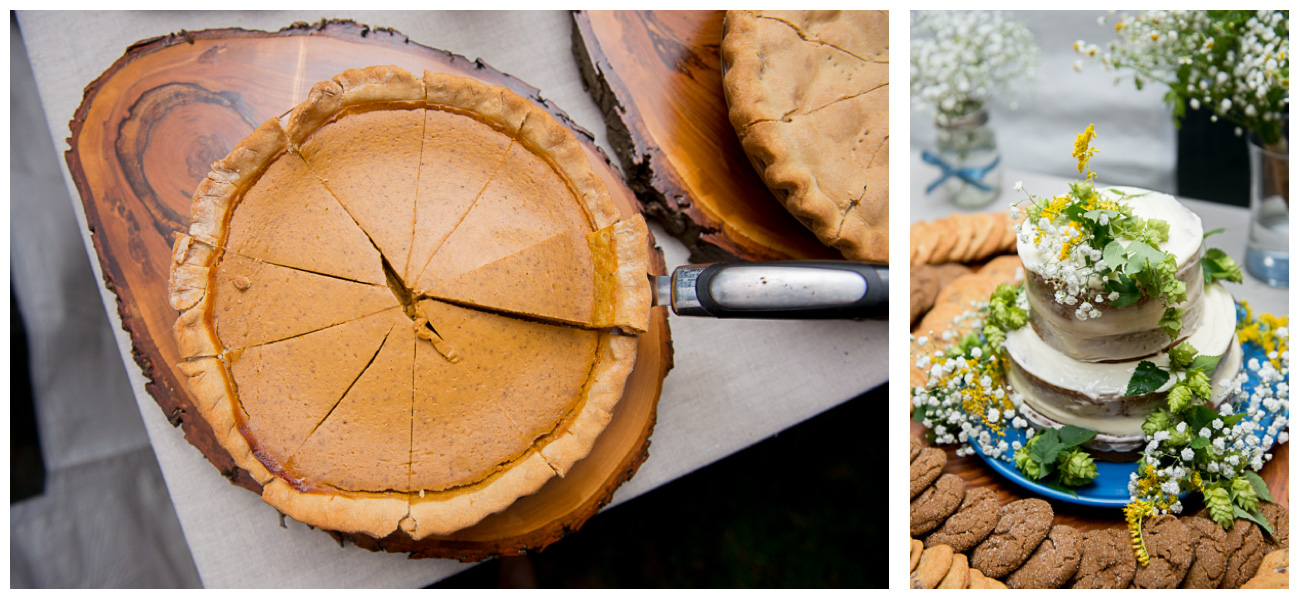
[{"x": 418, "y": 396}]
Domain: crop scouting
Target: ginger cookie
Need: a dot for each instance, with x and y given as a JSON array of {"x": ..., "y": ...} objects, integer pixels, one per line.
[
  {"x": 977, "y": 496},
  {"x": 925, "y": 288},
  {"x": 1246, "y": 550},
  {"x": 926, "y": 468},
  {"x": 917, "y": 548},
  {"x": 947, "y": 272},
  {"x": 1022, "y": 526},
  {"x": 958, "y": 577},
  {"x": 1053, "y": 563},
  {"x": 1169, "y": 547},
  {"x": 1209, "y": 554},
  {"x": 971, "y": 524},
  {"x": 1108, "y": 561},
  {"x": 933, "y": 566},
  {"x": 917, "y": 446},
  {"x": 937, "y": 503},
  {"x": 1278, "y": 519}
]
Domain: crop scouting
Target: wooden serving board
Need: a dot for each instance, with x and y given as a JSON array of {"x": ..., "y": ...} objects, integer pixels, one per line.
[
  {"x": 144, "y": 136},
  {"x": 657, "y": 76}
]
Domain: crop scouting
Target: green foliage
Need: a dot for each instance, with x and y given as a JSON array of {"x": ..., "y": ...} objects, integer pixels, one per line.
[
  {"x": 1217, "y": 265},
  {"x": 1172, "y": 321},
  {"x": 1219, "y": 504},
  {"x": 1147, "y": 378},
  {"x": 1182, "y": 355},
  {"x": 1078, "y": 469},
  {"x": 1243, "y": 494},
  {"x": 1054, "y": 457}
]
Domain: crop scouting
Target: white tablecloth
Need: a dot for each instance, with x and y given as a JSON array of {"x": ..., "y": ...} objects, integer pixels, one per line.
[
  {"x": 734, "y": 383},
  {"x": 1233, "y": 218}
]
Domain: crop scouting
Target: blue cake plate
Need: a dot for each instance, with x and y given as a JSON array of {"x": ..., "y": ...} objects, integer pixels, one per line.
[{"x": 1110, "y": 488}]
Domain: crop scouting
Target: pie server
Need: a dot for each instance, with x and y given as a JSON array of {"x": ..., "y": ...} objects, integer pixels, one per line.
[{"x": 775, "y": 290}]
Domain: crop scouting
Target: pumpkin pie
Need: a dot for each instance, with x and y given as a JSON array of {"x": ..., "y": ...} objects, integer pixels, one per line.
[
  {"x": 409, "y": 306},
  {"x": 808, "y": 95}
]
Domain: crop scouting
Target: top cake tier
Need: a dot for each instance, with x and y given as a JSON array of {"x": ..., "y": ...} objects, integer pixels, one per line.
[{"x": 1128, "y": 332}]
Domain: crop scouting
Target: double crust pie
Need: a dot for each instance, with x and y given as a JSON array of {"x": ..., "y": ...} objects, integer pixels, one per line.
[
  {"x": 410, "y": 305},
  {"x": 808, "y": 95}
]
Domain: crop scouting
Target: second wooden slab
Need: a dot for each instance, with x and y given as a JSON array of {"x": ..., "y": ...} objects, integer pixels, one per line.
[{"x": 657, "y": 77}]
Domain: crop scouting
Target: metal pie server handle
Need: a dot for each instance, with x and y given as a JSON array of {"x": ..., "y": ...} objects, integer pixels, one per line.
[{"x": 776, "y": 290}]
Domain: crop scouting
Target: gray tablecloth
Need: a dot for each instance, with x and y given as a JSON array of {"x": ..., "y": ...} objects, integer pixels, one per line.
[{"x": 734, "y": 383}]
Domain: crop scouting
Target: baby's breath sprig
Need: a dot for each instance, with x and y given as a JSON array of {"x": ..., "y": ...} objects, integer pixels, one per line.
[
  {"x": 962, "y": 59},
  {"x": 1194, "y": 448},
  {"x": 1234, "y": 62}
]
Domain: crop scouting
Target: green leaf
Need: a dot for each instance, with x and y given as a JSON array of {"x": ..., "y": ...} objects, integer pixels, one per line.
[
  {"x": 1200, "y": 416},
  {"x": 1126, "y": 287},
  {"x": 918, "y": 414},
  {"x": 1047, "y": 448},
  {"x": 1200, "y": 442},
  {"x": 1214, "y": 232},
  {"x": 1231, "y": 420},
  {"x": 1146, "y": 378},
  {"x": 1205, "y": 363},
  {"x": 1261, "y": 488},
  {"x": 1072, "y": 436},
  {"x": 1255, "y": 517},
  {"x": 1113, "y": 254}
]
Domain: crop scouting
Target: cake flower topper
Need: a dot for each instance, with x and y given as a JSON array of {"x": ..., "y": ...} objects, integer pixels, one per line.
[
  {"x": 1234, "y": 62},
  {"x": 1189, "y": 446}
]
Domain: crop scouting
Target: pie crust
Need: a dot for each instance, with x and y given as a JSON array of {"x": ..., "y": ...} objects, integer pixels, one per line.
[
  {"x": 409, "y": 306},
  {"x": 808, "y": 95}
]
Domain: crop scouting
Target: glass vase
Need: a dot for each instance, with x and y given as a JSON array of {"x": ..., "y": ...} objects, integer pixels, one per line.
[
  {"x": 1267, "y": 254},
  {"x": 967, "y": 159}
]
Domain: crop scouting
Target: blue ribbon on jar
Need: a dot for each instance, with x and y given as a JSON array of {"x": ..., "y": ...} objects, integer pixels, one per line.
[{"x": 972, "y": 175}]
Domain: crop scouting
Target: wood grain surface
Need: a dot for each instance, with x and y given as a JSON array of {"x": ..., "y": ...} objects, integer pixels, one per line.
[
  {"x": 657, "y": 77},
  {"x": 144, "y": 136},
  {"x": 977, "y": 474}
]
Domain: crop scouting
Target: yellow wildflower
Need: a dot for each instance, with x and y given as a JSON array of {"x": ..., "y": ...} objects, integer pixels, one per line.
[
  {"x": 1082, "y": 152},
  {"x": 1134, "y": 512},
  {"x": 1262, "y": 330}
]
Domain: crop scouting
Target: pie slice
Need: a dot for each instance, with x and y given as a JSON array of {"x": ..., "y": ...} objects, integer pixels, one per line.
[
  {"x": 255, "y": 302},
  {"x": 460, "y": 156},
  {"x": 530, "y": 205},
  {"x": 357, "y": 446},
  {"x": 371, "y": 159},
  {"x": 286, "y": 388},
  {"x": 289, "y": 218},
  {"x": 587, "y": 279}
]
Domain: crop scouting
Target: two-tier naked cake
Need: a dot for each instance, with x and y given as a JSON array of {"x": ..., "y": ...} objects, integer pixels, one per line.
[{"x": 1073, "y": 362}]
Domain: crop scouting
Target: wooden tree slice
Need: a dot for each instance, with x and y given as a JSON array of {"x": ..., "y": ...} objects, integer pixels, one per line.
[
  {"x": 657, "y": 77},
  {"x": 144, "y": 136}
]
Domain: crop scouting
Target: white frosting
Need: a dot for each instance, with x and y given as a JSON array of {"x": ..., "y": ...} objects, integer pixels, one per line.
[
  {"x": 1119, "y": 431},
  {"x": 1185, "y": 231},
  {"x": 1104, "y": 381}
]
